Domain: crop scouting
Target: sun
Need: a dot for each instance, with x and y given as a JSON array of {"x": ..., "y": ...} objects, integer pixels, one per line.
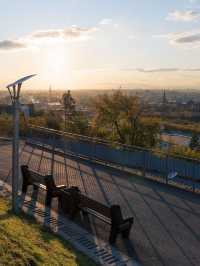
[{"x": 56, "y": 65}]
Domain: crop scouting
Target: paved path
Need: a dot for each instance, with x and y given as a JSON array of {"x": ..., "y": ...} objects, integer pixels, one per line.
[{"x": 167, "y": 220}]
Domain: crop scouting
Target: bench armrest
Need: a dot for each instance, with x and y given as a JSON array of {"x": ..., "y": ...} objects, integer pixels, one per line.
[
  {"x": 61, "y": 186},
  {"x": 130, "y": 220}
]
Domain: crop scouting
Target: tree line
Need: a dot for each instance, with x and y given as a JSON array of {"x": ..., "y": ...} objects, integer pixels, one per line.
[{"x": 116, "y": 117}]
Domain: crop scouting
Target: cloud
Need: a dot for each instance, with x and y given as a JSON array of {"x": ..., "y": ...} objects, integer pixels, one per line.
[
  {"x": 11, "y": 45},
  {"x": 108, "y": 22},
  {"x": 192, "y": 69},
  {"x": 187, "y": 39},
  {"x": 73, "y": 33},
  {"x": 185, "y": 16},
  {"x": 156, "y": 70},
  {"x": 163, "y": 70},
  {"x": 105, "y": 21},
  {"x": 46, "y": 34}
]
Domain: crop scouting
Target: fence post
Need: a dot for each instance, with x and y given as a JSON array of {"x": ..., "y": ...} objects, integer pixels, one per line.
[
  {"x": 166, "y": 164},
  {"x": 144, "y": 163},
  {"x": 53, "y": 154}
]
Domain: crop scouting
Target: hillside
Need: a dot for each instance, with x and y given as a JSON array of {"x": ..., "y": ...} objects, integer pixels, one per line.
[{"x": 22, "y": 242}]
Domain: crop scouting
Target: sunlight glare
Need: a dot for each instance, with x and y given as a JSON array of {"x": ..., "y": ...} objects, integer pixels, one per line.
[{"x": 56, "y": 65}]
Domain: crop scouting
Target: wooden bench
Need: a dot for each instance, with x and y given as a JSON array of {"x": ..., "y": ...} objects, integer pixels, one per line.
[
  {"x": 111, "y": 215},
  {"x": 37, "y": 180}
]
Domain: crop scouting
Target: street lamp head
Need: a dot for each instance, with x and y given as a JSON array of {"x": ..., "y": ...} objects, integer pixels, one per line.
[
  {"x": 16, "y": 91},
  {"x": 20, "y": 81}
]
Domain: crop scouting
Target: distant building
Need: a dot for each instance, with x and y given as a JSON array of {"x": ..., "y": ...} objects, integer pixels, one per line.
[
  {"x": 50, "y": 93},
  {"x": 193, "y": 106},
  {"x": 164, "y": 100},
  {"x": 54, "y": 106},
  {"x": 164, "y": 107}
]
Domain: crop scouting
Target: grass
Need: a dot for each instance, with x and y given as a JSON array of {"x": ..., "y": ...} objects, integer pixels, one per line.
[
  {"x": 180, "y": 152},
  {"x": 23, "y": 242}
]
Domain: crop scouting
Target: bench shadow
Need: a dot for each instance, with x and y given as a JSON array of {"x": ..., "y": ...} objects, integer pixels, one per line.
[
  {"x": 128, "y": 244},
  {"x": 131, "y": 183},
  {"x": 164, "y": 225},
  {"x": 81, "y": 220},
  {"x": 178, "y": 216},
  {"x": 95, "y": 226},
  {"x": 33, "y": 195},
  {"x": 87, "y": 222},
  {"x": 148, "y": 183}
]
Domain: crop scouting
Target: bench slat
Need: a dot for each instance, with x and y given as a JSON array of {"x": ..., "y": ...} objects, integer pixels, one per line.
[
  {"x": 95, "y": 206},
  {"x": 97, "y": 215},
  {"x": 40, "y": 186}
]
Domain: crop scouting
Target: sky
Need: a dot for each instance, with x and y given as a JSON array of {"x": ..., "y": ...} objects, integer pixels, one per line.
[{"x": 100, "y": 44}]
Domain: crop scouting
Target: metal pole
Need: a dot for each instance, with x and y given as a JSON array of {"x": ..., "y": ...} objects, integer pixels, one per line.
[
  {"x": 15, "y": 94},
  {"x": 15, "y": 157},
  {"x": 65, "y": 119}
]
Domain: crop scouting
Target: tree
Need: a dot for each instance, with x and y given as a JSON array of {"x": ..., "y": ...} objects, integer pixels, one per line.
[
  {"x": 121, "y": 115},
  {"x": 5, "y": 125},
  {"x": 69, "y": 106},
  {"x": 109, "y": 113},
  {"x": 194, "y": 142},
  {"x": 79, "y": 124},
  {"x": 53, "y": 121}
]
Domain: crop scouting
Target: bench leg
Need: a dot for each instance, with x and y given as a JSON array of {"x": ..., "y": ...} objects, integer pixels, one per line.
[
  {"x": 85, "y": 214},
  {"x": 35, "y": 187},
  {"x": 24, "y": 187},
  {"x": 125, "y": 233},
  {"x": 113, "y": 235},
  {"x": 73, "y": 213},
  {"x": 48, "y": 199}
]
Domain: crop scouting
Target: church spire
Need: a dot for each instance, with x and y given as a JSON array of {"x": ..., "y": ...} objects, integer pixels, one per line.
[
  {"x": 50, "y": 93},
  {"x": 164, "y": 101}
]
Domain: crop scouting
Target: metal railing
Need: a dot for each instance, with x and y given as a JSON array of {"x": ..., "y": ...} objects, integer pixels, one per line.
[{"x": 116, "y": 153}]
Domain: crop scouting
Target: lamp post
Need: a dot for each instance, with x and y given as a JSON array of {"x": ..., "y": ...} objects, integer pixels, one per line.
[{"x": 14, "y": 91}]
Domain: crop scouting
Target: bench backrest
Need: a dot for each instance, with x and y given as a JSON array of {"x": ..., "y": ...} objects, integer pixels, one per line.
[
  {"x": 37, "y": 178},
  {"x": 95, "y": 205},
  {"x": 32, "y": 176},
  {"x": 113, "y": 212}
]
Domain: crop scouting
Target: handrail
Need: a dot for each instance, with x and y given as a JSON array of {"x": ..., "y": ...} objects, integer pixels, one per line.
[
  {"x": 91, "y": 139},
  {"x": 108, "y": 143}
]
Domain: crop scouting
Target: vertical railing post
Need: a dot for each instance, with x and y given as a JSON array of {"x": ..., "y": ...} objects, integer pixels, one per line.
[{"x": 166, "y": 164}]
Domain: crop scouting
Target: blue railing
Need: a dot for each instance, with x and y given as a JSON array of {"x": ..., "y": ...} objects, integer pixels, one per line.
[{"x": 115, "y": 153}]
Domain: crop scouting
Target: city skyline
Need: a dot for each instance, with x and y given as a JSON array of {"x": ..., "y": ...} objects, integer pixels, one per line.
[{"x": 101, "y": 44}]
